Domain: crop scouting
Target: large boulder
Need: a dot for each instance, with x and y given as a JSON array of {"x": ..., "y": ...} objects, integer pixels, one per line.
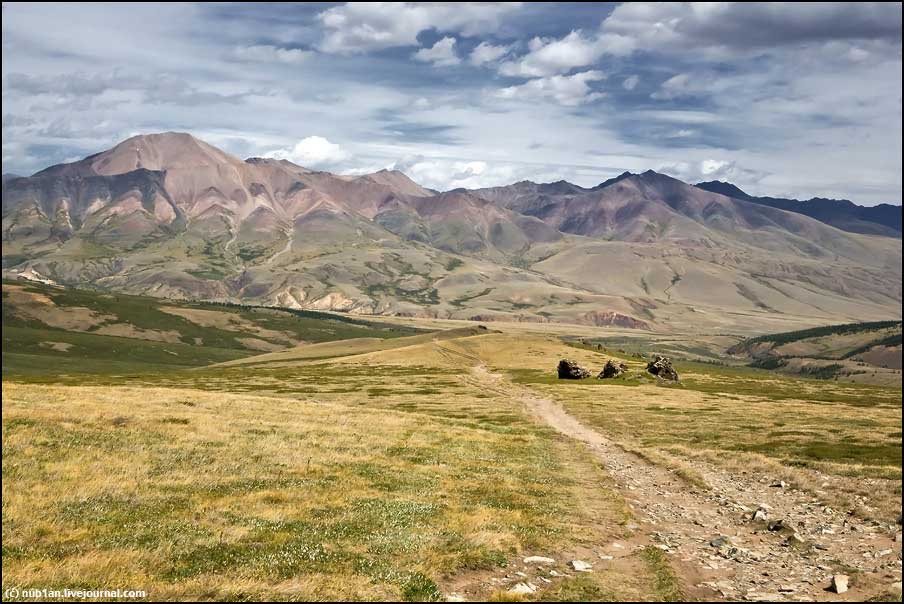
[
  {"x": 569, "y": 370},
  {"x": 662, "y": 368},
  {"x": 612, "y": 369}
]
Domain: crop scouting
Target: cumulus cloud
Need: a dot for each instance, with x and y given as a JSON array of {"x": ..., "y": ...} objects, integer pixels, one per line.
[
  {"x": 631, "y": 82},
  {"x": 441, "y": 54},
  {"x": 485, "y": 53},
  {"x": 312, "y": 152},
  {"x": 711, "y": 169},
  {"x": 675, "y": 87},
  {"x": 358, "y": 27},
  {"x": 570, "y": 90},
  {"x": 557, "y": 56},
  {"x": 265, "y": 53},
  {"x": 444, "y": 174}
]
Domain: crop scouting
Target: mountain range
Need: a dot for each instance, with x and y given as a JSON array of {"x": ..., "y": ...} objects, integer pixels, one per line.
[
  {"x": 881, "y": 219},
  {"x": 170, "y": 215}
]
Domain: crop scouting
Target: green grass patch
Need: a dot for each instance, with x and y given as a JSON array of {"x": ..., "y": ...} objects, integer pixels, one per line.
[{"x": 665, "y": 583}]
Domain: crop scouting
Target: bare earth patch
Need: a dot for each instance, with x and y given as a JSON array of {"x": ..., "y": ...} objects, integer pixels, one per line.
[
  {"x": 39, "y": 307},
  {"x": 126, "y": 330},
  {"x": 227, "y": 321},
  {"x": 58, "y": 346},
  {"x": 258, "y": 344}
]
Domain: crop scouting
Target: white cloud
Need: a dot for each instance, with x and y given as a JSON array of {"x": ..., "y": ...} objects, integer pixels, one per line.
[
  {"x": 683, "y": 133},
  {"x": 821, "y": 116},
  {"x": 712, "y": 169},
  {"x": 631, "y": 82},
  {"x": 312, "y": 152},
  {"x": 550, "y": 57},
  {"x": 441, "y": 54},
  {"x": 857, "y": 54},
  {"x": 715, "y": 167},
  {"x": 570, "y": 90},
  {"x": 358, "y": 27},
  {"x": 264, "y": 53},
  {"x": 675, "y": 87},
  {"x": 446, "y": 174},
  {"x": 485, "y": 53}
]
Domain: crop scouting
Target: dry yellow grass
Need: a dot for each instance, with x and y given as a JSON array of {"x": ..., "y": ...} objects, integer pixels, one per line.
[
  {"x": 405, "y": 471},
  {"x": 347, "y": 349},
  {"x": 192, "y": 494}
]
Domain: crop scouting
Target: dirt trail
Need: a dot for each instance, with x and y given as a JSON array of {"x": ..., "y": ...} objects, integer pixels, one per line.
[
  {"x": 285, "y": 250},
  {"x": 711, "y": 535}
]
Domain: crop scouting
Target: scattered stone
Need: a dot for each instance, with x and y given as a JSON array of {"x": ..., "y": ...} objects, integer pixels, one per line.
[
  {"x": 581, "y": 566},
  {"x": 779, "y": 484},
  {"x": 896, "y": 587},
  {"x": 612, "y": 369},
  {"x": 777, "y": 525},
  {"x": 454, "y": 597},
  {"x": 840, "y": 583},
  {"x": 720, "y": 541},
  {"x": 757, "y": 596},
  {"x": 795, "y": 539},
  {"x": 606, "y": 557},
  {"x": 570, "y": 370},
  {"x": 523, "y": 589},
  {"x": 759, "y": 515},
  {"x": 662, "y": 368},
  {"x": 539, "y": 560},
  {"x": 884, "y": 552}
]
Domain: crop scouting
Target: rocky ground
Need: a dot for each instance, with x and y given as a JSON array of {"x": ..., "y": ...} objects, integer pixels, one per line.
[{"x": 744, "y": 537}]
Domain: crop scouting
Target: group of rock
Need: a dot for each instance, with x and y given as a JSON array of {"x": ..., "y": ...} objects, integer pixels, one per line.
[
  {"x": 659, "y": 366},
  {"x": 541, "y": 572}
]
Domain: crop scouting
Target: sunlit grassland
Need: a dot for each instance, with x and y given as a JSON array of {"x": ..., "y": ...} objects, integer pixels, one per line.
[
  {"x": 404, "y": 471},
  {"x": 784, "y": 426},
  {"x": 194, "y": 494}
]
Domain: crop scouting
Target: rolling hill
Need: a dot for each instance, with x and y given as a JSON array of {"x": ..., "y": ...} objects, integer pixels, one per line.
[
  {"x": 50, "y": 330},
  {"x": 865, "y": 352}
]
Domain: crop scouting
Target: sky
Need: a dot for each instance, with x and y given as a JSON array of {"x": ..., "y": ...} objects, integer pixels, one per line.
[{"x": 782, "y": 99}]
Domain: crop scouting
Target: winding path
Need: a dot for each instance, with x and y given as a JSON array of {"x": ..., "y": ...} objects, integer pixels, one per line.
[{"x": 711, "y": 534}]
